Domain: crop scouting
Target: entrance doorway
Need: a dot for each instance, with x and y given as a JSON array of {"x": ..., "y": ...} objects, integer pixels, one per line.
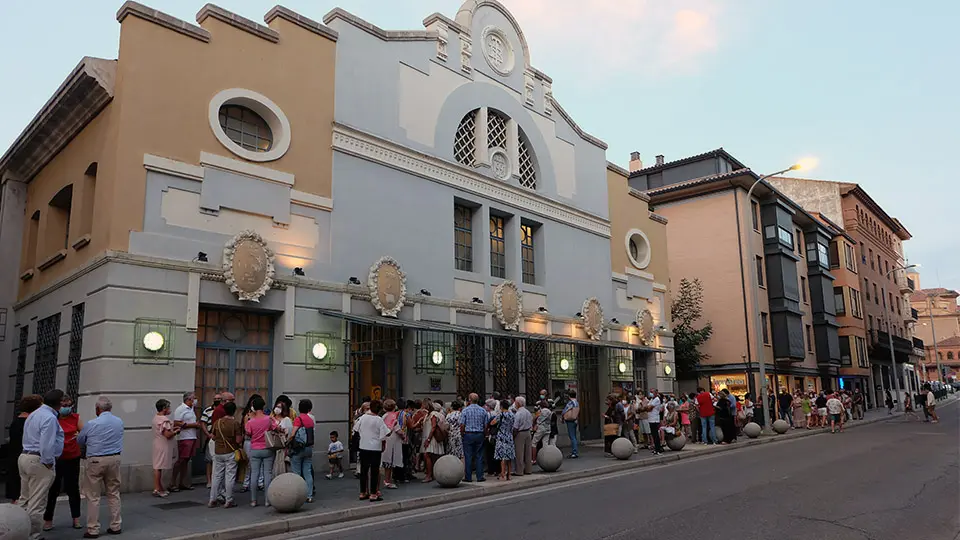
[
  {"x": 588, "y": 373},
  {"x": 376, "y": 361},
  {"x": 234, "y": 354}
]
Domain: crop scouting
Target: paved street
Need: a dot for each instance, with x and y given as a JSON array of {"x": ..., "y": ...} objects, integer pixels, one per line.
[{"x": 891, "y": 480}]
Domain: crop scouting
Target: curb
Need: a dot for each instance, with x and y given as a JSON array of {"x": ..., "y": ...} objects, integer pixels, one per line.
[{"x": 296, "y": 522}]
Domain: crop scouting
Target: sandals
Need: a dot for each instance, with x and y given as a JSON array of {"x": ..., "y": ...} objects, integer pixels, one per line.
[
  {"x": 390, "y": 486},
  {"x": 161, "y": 494},
  {"x": 364, "y": 496},
  {"x": 376, "y": 497}
]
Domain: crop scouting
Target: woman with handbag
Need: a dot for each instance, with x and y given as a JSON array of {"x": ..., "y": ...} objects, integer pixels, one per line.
[
  {"x": 283, "y": 416},
  {"x": 611, "y": 424},
  {"x": 260, "y": 427},
  {"x": 244, "y": 470},
  {"x": 227, "y": 454}
]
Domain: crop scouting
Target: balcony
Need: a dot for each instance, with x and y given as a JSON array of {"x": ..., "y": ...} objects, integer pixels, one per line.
[
  {"x": 918, "y": 349},
  {"x": 881, "y": 340},
  {"x": 906, "y": 286},
  {"x": 911, "y": 316}
]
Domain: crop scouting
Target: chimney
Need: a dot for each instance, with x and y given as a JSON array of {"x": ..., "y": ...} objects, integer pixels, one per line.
[
  {"x": 660, "y": 159},
  {"x": 635, "y": 163}
]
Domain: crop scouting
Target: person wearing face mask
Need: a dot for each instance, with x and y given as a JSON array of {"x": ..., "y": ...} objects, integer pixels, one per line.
[
  {"x": 67, "y": 468},
  {"x": 187, "y": 443},
  {"x": 656, "y": 406},
  {"x": 283, "y": 416},
  {"x": 206, "y": 425}
]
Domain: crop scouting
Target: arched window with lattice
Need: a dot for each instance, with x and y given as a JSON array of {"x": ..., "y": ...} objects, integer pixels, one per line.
[{"x": 489, "y": 137}]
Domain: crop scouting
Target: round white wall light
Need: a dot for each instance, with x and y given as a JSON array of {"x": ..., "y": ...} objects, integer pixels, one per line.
[
  {"x": 153, "y": 341},
  {"x": 667, "y": 369},
  {"x": 622, "y": 366},
  {"x": 319, "y": 351},
  {"x": 437, "y": 358},
  {"x": 564, "y": 364}
]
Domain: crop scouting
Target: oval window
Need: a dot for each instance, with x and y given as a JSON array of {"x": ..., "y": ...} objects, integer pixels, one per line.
[
  {"x": 246, "y": 128},
  {"x": 638, "y": 248}
]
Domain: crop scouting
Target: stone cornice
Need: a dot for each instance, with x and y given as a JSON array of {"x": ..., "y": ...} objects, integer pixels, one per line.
[
  {"x": 280, "y": 12},
  {"x": 386, "y": 35},
  {"x": 237, "y": 21},
  {"x": 160, "y": 18},
  {"x": 372, "y": 148}
]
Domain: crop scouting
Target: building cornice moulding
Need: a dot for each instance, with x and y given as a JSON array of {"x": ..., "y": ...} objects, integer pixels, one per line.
[{"x": 375, "y": 149}]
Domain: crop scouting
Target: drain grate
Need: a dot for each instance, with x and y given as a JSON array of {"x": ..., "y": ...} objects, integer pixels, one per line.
[{"x": 177, "y": 505}]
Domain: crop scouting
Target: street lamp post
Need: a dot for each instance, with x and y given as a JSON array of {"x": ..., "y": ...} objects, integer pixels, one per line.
[
  {"x": 893, "y": 356},
  {"x": 754, "y": 290}
]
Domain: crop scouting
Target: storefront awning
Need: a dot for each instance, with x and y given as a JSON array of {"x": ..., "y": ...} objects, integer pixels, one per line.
[{"x": 472, "y": 330}]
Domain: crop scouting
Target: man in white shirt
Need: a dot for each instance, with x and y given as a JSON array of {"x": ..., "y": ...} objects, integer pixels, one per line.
[
  {"x": 931, "y": 404},
  {"x": 656, "y": 405},
  {"x": 522, "y": 424},
  {"x": 835, "y": 409},
  {"x": 187, "y": 444}
]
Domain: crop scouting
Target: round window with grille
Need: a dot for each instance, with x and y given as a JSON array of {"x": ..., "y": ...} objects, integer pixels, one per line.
[
  {"x": 249, "y": 125},
  {"x": 246, "y": 128}
]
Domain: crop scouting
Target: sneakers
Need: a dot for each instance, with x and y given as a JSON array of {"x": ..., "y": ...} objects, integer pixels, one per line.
[
  {"x": 340, "y": 475},
  {"x": 330, "y": 476}
]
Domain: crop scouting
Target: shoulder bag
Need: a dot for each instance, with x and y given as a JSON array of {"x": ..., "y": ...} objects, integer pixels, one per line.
[{"x": 238, "y": 454}]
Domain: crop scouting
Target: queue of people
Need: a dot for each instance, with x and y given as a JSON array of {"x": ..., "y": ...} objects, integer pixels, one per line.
[{"x": 48, "y": 442}]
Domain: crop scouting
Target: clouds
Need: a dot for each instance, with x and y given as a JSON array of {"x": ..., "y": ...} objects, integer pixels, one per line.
[{"x": 655, "y": 37}]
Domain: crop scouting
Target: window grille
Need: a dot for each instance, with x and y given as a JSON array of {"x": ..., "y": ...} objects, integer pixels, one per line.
[
  {"x": 463, "y": 238},
  {"x": 498, "y": 260},
  {"x": 505, "y": 360},
  {"x": 21, "y": 369},
  {"x": 246, "y": 128},
  {"x": 470, "y": 356},
  {"x": 76, "y": 347},
  {"x": 537, "y": 372},
  {"x": 528, "y": 174},
  {"x": 45, "y": 364},
  {"x": 464, "y": 142},
  {"x": 620, "y": 364},
  {"x": 563, "y": 361},
  {"x": 433, "y": 352},
  {"x": 3, "y": 324},
  {"x": 496, "y": 130}
]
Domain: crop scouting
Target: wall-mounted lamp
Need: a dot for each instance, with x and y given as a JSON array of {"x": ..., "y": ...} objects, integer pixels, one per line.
[
  {"x": 153, "y": 341},
  {"x": 354, "y": 280},
  {"x": 425, "y": 292},
  {"x": 201, "y": 257},
  {"x": 622, "y": 367},
  {"x": 319, "y": 351},
  {"x": 614, "y": 321},
  {"x": 634, "y": 323},
  {"x": 543, "y": 309},
  {"x": 564, "y": 364},
  {"x": 437, "y": 358},
  {"x": 477, "y": 300},
  {"x": 667, "y": 369},
  {"x": 298, "y": 271}
]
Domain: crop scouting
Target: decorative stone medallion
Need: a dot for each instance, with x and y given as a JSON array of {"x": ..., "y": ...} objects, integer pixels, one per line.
[
  {"x": 497, "y": 50},
  {"x": 248, "y": 266},
  {"x": 499, "y": 164},
  {"x": 508, "y": 302},
  {"x": 592, "y": 316},
  {"x": 388, "y": 286},
  {"x": 645, "y": 323}
]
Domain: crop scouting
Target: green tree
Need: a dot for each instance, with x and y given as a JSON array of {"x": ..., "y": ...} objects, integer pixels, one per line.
[{"x": 685, "y": 311}]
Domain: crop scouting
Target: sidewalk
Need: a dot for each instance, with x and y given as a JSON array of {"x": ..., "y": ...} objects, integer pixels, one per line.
[{"x": 185, "y": 516}]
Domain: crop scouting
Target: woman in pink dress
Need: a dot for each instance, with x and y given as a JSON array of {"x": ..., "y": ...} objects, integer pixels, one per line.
[{"x": 164, "y": 445}]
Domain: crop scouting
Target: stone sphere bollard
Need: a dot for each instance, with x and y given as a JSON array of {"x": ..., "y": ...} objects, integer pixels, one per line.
[
  {"x": 287, "y": 492},
  {"x": 752, "y": 430},
  {"x": 781, "y": 426},
  {"x": 622, "y": 448},
  {"x": 677, "y": 443},
  {"x": 717, "y": 434},
  {"x": 14, "y": 522},
  {"x": 448, "y": 471},
  {"x": 549, "y": 458}
]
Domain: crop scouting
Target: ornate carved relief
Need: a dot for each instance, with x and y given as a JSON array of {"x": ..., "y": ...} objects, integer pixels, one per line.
[
  {"x": 248, "y": 266},
  {"x": 547, "y": 98},
  {"x": 388, "y": 286},
  {"x": 592, "y": 316},
  {"x": 500, "y": 164},
  {"x": 466, "y": 51},
  {"x": 645, "y": 323},
  {"x": 442, "y": 39},
  {"x": 508, "y": 303},
  {"x": 528, "y": 89},
  {"x": 497, "y": 50}
]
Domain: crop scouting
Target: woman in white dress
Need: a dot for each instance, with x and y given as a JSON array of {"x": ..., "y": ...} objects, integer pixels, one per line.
[
  {"x": 433, "y": 445},
  {"x": 392, "y": 457},
  {"x": 283, "y": 414}
]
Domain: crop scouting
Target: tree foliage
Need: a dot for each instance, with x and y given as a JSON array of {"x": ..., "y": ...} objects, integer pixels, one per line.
[{"x": 685, "y": 312}]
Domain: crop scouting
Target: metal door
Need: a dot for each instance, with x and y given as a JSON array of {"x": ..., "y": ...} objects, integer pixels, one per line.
[{"x": 588, "y": 362}]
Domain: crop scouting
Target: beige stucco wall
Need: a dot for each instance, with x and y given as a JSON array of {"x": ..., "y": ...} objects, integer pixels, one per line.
[
  {"x": 703, "y": 234},
  {"x": 628, "y": 212},
  {"x": 164, "y": 83}
]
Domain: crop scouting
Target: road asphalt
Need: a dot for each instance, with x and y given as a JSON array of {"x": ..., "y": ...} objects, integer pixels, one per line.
[{"x": 890, "y": 480}]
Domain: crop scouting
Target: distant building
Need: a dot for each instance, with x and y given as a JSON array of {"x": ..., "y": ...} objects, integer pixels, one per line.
[
  {"x": 937, "y": 310},
  {"x": 719, "y": 236}
]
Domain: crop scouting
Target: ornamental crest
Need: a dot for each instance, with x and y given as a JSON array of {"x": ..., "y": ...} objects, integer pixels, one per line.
[
  {"x": 645, "y": 323},
  {"x": 388, "y": 286},
  {"x": 592, "y": 316},
  {"x": 248, "y": 266},
  {"x": 508, "y": 303}
]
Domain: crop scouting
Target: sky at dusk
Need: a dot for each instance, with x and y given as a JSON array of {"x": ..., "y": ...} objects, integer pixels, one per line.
[{"x": 868, "y": 87}]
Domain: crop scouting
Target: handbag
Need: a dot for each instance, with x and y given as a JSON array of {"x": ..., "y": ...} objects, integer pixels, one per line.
[
  {"x": 274, "y": 440},
  {"x": 238, "y": 454},
  {"x": 610, "y": 430}
]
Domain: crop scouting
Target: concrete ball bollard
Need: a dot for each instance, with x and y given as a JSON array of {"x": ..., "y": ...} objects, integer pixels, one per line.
[
  {"x": 549, "y": 458},
  {"x": 781, "y": 426},
  {"x": 677, "y": 443},
  {"x": 14, "y": 522},
  {"x": 448, "y": 471},
  {"x": 287, "y": 493},
  {"x": 752, "y": 430},
  {"x": 622, "y": 448}
]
